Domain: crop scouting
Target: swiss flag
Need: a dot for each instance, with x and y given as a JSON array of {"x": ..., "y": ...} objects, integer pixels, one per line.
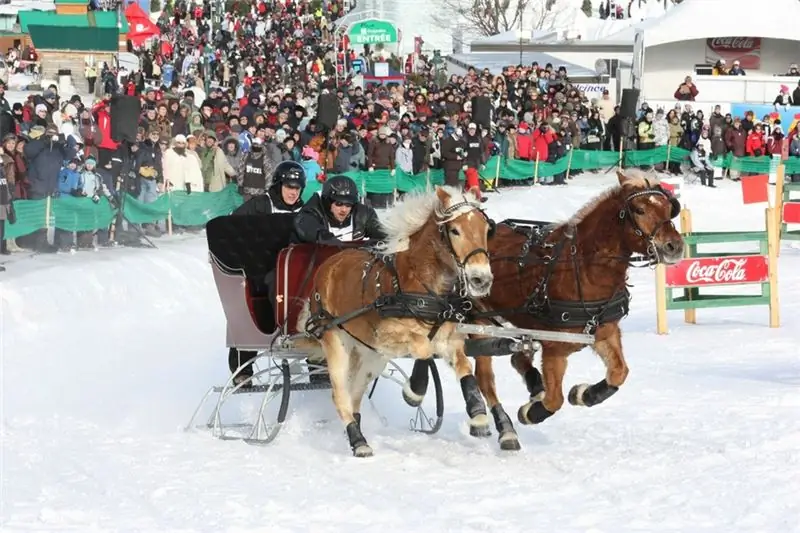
[{"x": 140, "y": 27}]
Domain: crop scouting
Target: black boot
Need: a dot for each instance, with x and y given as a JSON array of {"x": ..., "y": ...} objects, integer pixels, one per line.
[{"x": 710, "y": 178}]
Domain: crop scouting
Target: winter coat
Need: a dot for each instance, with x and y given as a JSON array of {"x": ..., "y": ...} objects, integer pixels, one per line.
[
  {"x": 311, "y": 168},
  {"x": 661, "y": 131},
  {"x": 45, "y": 159},
  {"x": 525, "y": 147},
  {"x": 341, "y": 162},
  {"x": 69, "y": 181},
  {"x": 215, "y": 167},
  {"x": 268, "y": 204},
  {"x": 404, "y": 159},
  {"x": 182, "y": 169},
  {"x": 314, "y": 223},
  {"x": 381, "y": 155},
  {"x": 736, "y": 141}
]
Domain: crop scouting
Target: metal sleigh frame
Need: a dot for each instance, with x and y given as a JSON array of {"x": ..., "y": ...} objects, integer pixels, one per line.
[
  {"x": 286, "y": 366},
  {"x": 280, "y": 369}
]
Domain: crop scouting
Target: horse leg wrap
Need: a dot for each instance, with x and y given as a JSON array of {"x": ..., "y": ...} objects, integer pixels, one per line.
[
  {"x": 476, "y": 408},
  {"x": 502, "y": 422},
  {"x": 417, "y": 385},
  {"x": 589, "y": 395},
  {"x": 357, "y": 441},
  {"x": 534, "y": 382},
  {"x": 357, "y": 417},
  {"x": 533, "y": 413}
]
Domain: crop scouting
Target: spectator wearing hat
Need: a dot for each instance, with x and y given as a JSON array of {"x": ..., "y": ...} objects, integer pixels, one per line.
[
  {"x": 214, "y": 165},
  {"x": 182, "y": 168},
  {"x": 7, "y": 183}
]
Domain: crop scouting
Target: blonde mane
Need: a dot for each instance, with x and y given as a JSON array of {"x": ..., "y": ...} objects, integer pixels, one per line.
[
  {"x": 406, "y": 218},
  {"x": 636, "y": 177}
]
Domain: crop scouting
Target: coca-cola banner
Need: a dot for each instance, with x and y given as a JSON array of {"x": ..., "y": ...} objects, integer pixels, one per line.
[
  {"x": 697, "y": 272},
  {"x": 746, "y": 49}
]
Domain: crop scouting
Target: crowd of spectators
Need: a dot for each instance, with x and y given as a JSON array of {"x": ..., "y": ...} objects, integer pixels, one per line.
[{"x": 261, "y": 73}]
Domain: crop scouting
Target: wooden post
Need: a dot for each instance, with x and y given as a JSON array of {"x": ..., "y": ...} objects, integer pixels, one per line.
[
  {"x": 669, "y": 151},
  {"x": 536, "y": 170},
  {"x": 778, "y": 203},
  {"x": 621, "y": 154},
  {"x": 169, "y": 212},
  {"x": 428, "y": 187},
  {"x": 497, "y": 172},
  {"x": 47, "y": 211},
  {"x": 569, "y": 162},
  {"x": 689, "y": 315},
  {"x": 661, "y": 299},
  {"x": 773, "y": 244}
]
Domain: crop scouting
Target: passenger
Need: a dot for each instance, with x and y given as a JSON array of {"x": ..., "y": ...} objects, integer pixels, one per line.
[
  {"x": 283, "y": 196},
  {"x": 337, "y": 216}
]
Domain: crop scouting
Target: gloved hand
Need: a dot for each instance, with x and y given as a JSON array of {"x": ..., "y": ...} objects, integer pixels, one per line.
[
  {"x": 77, "y": 193},
  {"x": 96, "y": 199},
  {"x": 372, "y": 169},
  {"x": 464, "y": 168},
  {"x": 188, "y": 188},
  {"x": 113, "y": 202},
  {"x": 393, "y": 172}
]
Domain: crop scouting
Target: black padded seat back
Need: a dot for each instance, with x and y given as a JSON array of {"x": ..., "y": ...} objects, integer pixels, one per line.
[{"x": 249, "y": 242}]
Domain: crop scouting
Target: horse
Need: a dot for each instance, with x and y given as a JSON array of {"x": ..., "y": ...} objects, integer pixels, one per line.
[
  {"x": 571, "y": 277},
  {"x": 404, "y": 295}
]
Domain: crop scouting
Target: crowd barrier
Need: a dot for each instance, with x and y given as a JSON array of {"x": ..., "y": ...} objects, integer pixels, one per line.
[
  {"x": 81, "y": 214},
  {"x": 702, "y": 270}
]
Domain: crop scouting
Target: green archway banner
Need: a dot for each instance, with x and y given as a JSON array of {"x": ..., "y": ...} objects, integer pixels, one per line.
[{"x": 372, "y": 31}]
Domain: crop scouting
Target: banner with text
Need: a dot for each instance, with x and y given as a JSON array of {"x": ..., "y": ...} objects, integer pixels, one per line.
[{"x": 746, "y": 50}]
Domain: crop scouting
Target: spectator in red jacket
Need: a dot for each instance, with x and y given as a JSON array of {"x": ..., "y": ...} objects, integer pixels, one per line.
[
  {"x": 542, "y": 138},
  {"x": 687, "y": 91},
  {"x": 107, "y": 147},
  {"x": 525, "y": 143},
  {"x": 756, "y": 145}
]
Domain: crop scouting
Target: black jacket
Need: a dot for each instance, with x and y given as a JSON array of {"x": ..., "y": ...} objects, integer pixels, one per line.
[
  {"x": 313, "y": 223},
  {"x": 267, "y": 204}
]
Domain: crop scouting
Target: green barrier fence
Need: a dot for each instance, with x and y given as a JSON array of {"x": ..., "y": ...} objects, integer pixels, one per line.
[{"x": 81, "y": 214}]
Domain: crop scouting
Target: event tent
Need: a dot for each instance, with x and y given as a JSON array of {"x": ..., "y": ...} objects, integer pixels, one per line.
[{"x": 702, "y": 19}]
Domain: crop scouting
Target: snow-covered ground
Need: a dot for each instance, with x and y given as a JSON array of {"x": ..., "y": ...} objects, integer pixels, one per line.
[{"x": 104, "y": 355}]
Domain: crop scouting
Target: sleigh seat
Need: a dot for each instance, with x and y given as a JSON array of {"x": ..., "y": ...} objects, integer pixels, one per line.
[
  {"x": 243, "y": 251},
  {"x": 297, "y": 266}
]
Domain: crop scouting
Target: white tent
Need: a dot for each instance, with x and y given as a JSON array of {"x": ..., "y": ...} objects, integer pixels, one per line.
[{"x": 704, "y": 19}]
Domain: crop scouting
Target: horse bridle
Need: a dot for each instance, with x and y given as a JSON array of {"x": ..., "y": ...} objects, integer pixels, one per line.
[
  {"x": 444, "y": 226},
  {"x": 626, "y": 213}
]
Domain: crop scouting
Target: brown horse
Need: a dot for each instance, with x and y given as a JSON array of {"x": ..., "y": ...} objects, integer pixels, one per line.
[
  {"x": 572, "y": 278},
  {"x": 405, "y": 296}
]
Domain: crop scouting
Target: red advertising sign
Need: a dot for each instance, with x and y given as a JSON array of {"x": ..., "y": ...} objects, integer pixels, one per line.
[
  {"x": 747, "y": 50},
  {"x": 791, "y": 212},
  {"x": 699, "y": 272}
]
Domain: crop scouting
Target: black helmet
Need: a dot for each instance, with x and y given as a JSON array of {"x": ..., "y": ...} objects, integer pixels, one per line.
[
  {"x": 340, "y": 189},
  {"x": 291, "y": 174}
]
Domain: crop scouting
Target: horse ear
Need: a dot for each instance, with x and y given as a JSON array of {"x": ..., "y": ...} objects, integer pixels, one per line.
[
  {"x": 622, "y": 177},
  {"x": 442, "y": 194}
]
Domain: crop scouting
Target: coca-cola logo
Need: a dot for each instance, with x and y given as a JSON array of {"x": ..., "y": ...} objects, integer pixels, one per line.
[
  {"x": 726, "y": 271},
  {"x": 734, "y": 43},
  {"x": 733, "y": 270}
]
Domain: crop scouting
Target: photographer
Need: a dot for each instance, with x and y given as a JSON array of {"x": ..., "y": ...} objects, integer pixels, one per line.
[{"x": 454, "y": 154}]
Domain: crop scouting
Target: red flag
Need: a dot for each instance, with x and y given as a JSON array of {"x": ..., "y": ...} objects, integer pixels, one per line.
[
  {"x": 668, "y": 187},
  {"x": 755, "y": 189},
  {"x": 140, "y": 27}
]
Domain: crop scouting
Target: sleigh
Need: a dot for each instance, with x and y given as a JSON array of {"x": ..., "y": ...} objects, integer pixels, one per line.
[{"x": 263, "y": 282}]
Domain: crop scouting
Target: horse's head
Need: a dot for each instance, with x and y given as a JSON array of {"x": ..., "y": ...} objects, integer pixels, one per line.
[
  {"x": 647, "y": 212},
  {"x": 466, "y": 229}
]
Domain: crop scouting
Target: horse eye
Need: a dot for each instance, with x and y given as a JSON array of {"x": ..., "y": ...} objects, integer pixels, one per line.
[
  {"x": 454, "y": 231},
  {"x": 638, "y": 210}
]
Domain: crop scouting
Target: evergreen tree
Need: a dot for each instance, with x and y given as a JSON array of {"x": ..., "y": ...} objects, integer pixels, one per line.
[{"x": 586, "y": 7}]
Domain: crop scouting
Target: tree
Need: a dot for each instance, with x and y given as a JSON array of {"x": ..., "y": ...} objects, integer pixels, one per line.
[
  {"x": 587, "y": 8},
  {"x": 155, "y": 6},
  {"x": 482, "y": 17}
]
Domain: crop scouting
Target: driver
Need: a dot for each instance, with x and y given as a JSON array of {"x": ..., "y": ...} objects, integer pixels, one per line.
[
  {"x": 283, "y": 196},
  {"x": 337, "y": 216}
]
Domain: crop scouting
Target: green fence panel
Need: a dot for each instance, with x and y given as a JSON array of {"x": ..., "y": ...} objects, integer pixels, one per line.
[
  {"x": 81, "y": 214},
  {"x": 141, "y": 213},
  {"x": 31, "y": 216}
]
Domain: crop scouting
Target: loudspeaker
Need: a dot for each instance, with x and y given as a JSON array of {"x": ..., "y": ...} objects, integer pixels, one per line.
[
  {"x": 125, "y": 111},
  {"x": 327, "y": 111},
  {"x": 630, "y": 99},
  {"x": 482, "y": 112}
]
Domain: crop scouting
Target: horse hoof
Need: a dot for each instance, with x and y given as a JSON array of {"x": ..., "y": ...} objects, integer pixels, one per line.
[
  {"x": 575, "y": 396},
  {"x": 533, "y": 413},
  {"x": 362, "y": 451},
  {"x": 479, "y": 426},
  {"x": 410, "y": 397},
  {"x": 509, "y": 442}
]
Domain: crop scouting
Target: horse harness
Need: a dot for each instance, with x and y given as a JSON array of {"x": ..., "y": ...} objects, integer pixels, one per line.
[
  {"x": 429, "y": 307},
  {"x": 581, "y": 313}
]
